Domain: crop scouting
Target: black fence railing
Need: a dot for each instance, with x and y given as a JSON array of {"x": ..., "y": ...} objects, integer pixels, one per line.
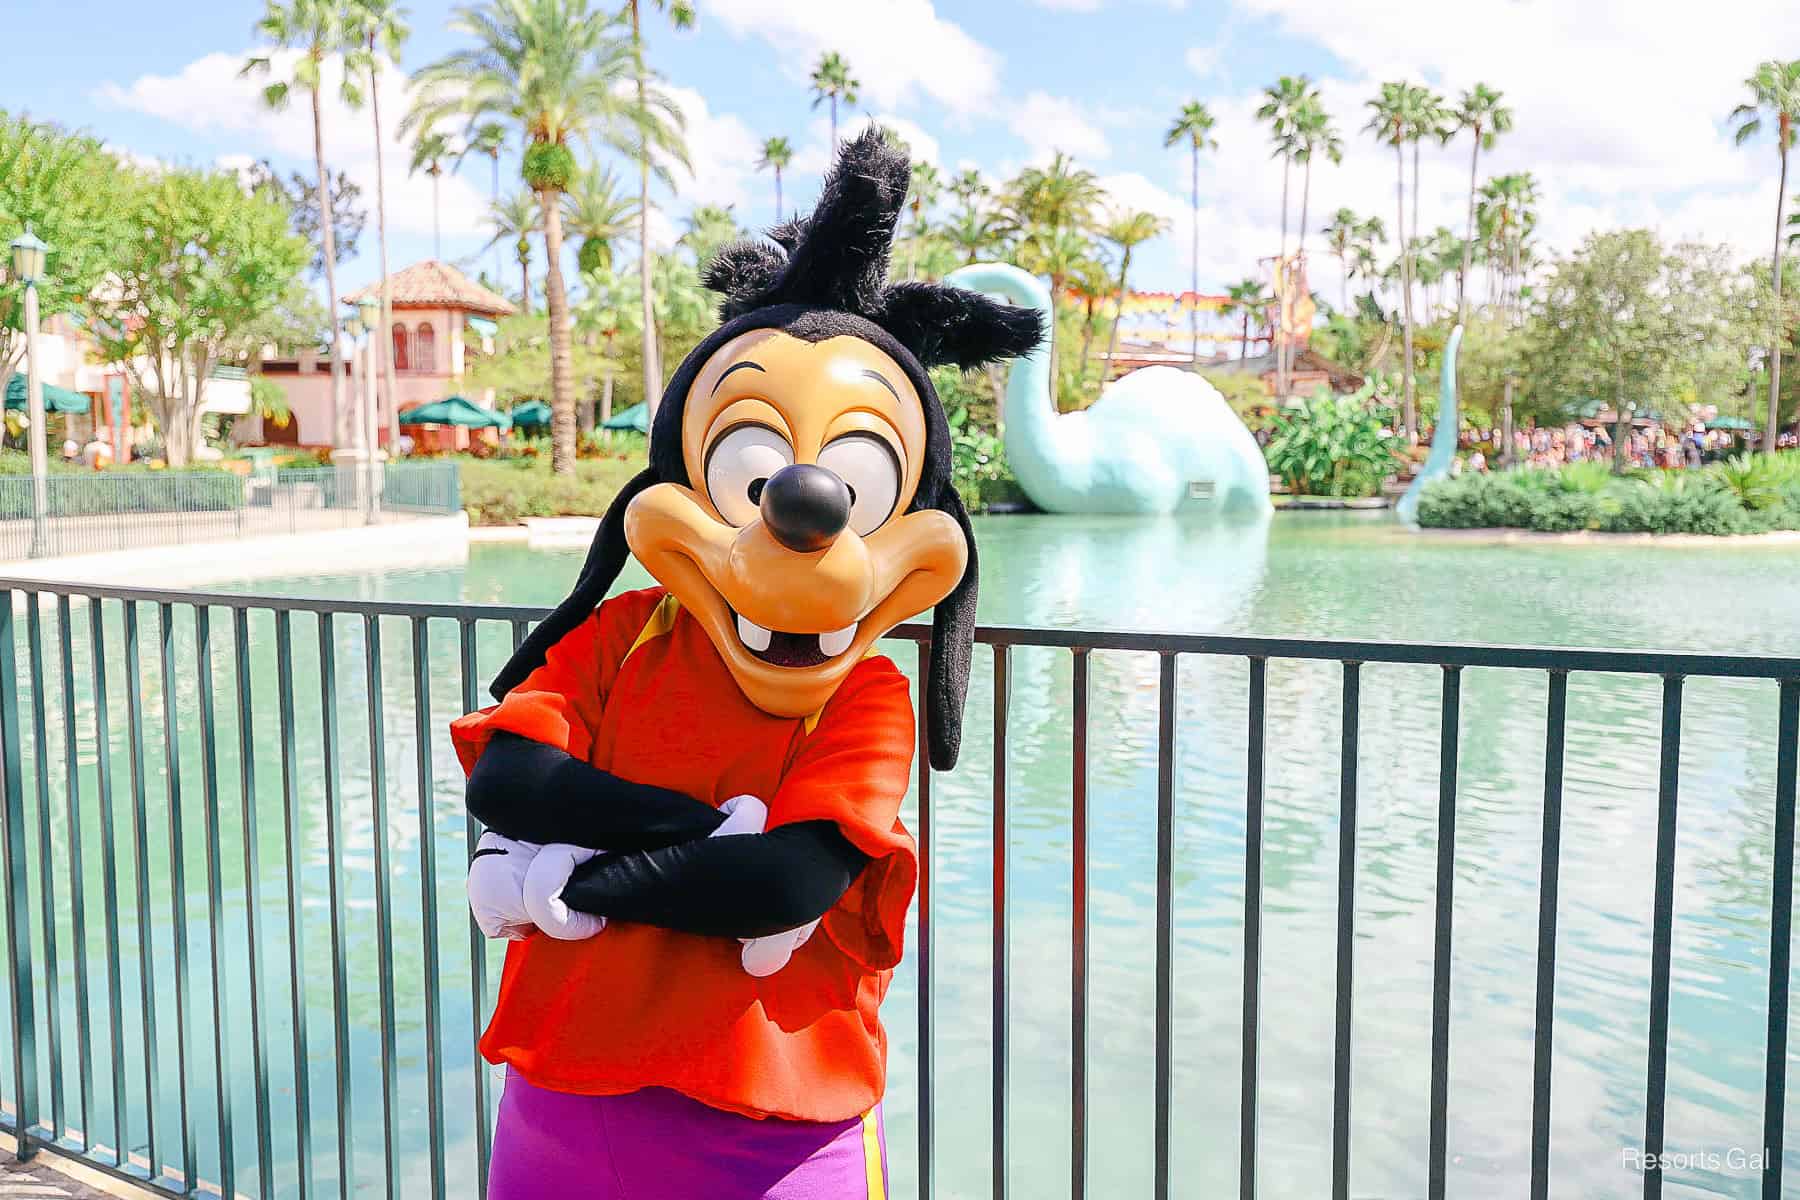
[{"x": 174, "y": 1107}]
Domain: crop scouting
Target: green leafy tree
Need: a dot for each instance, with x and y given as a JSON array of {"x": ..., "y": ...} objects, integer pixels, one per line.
[
  {"x": 560, "y": 72},
  {"x": 301, "y": 195},
  {"x": 208, "y": 265},
  {"x": 924, "y": 188},
  {"x": 1775, "y": 97},
  {"x": 70, "y": 192},
  {"x": 1193, "y": 128},
  {"x": 1126, "y": 231},
  {"x": 1250, "y": 300},
  {"x": 596, "y": 210},
  {"x": 1611, "y": 323},
  {"x": 832, "y": 82},
  {"x": 321, "y": 31},
  {"x": 515, "y": 218},
  {"x": 710, "y": 228},
  {"x": 1340, "y": 238},
  {"x": 601, "y": 316},
  {"x": 1484, "y": 118},
  {"x": 1332, "y": 446},
  {"x": 1400, "y": 114},
  {"x": 777, "y": 153}
]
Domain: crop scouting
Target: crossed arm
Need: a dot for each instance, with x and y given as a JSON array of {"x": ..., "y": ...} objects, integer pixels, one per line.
[{"x": 660, "y": 866}]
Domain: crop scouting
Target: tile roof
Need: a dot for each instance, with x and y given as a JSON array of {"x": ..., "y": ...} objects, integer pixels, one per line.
[{"x": 432, "y": 284}]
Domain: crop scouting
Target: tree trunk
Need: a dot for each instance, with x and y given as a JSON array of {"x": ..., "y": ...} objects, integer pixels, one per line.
[
  {"x": 834, "y": 141},
  {"x": 1409, "y": 412},
  {"x": 383, "y": 338},
  {"x": 1300, "y": 252},
  {"x": 652, "y": 360},
  {"x": 1087, "y": 340},
  {"x": 1468, "y": 250},
  {"x": 524, "y": 282},
  {"x": 331, "y": 296},
  {"x": 1506, "y": 423},
  {"x": 1112, "y": 337},
  {"x": 1194, "y": 312},
  {"x": 499, "y": 267},
  {"x": 556, "y": 300},
  {"x": 1779, "y": 326},
  {"x": 777, "y": 195},
  {"x": 437, "y": 226},
  {"x": 1283, "y": 280},
  {"x": 1244, "y": 342}
]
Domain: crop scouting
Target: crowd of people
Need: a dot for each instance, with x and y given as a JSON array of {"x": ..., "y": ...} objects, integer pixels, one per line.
[{"x": 1559, "y": 445}]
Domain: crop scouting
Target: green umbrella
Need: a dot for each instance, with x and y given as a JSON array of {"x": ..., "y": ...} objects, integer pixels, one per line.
[
  {"x": 455, "y": 411},
  {"x": 636, "y": 417},
  {"x": 55, "y": 399},
  {"x": 1736, "y": 424},
  {"x": 533, "y": 414}
]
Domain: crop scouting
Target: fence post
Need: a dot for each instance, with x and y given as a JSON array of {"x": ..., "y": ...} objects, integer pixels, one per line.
[{"x": 18, "y": 923}]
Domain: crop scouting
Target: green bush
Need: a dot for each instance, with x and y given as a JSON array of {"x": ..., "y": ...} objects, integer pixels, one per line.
[
  {"x": 504, "y": 491},
  {"x": 75, "y": 491},
  {"x": 1332, "y": 446},
  {"x": 1587, "y": 497}
]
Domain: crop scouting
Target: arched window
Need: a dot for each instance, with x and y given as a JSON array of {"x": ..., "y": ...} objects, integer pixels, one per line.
[
  {"x": 402, "y": 359},
  {"x": 425, "y": 344}
]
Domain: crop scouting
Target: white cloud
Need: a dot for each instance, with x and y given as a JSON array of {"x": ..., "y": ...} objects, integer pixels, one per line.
[
  {"x": 815, "y": 155},
  {"x": 208, "y": 96},
  {"x": 722, "y": 156},
  {"x": 1203, "y": 60},
  {"x": 899, "y": 50},
  {"x": 1049, "y": 123}
]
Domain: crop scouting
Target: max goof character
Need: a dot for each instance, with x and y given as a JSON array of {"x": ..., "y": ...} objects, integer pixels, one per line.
[{"x": 685, "y": 1013}]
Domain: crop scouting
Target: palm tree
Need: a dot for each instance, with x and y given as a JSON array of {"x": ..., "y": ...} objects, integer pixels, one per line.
[
  {"x": 1313, "y": 134},
  {"x": 1507, "y": 211},
  {"x": 777, "y": 153},
  {"x": 1058, "y": 253},
  {"x": 831, "y": 80},
  {"x": 660, "y": 126},
  {"x": 1283, "y": 105},
  {"x": 1363, "y": 262},
  {"x": 559, "y": 72},
  {"x": 515, "y": 218},
  {"x": 1127, "y": 231},
  {"x": 710, "y": 228},
  {"x": 922, "y": 194},
  {"x": 428, "y": 155},
  {"x": 317, "y": 29},
  {"x": 1394, "y": 115},
  {"x": 969, "y": 188},
  {"x": 1193, "y": 125},
  {"x": 381, "y": 31},
  {"x": 1481, "y": 113},
  {"x": 489, "y": 138},
  {"x": 1341, "y": 236},
  {"x": 977, "y": 233},
  {"x": 603, "y": 313},
  {"x": 1248, "y": 299},
  {"x": 597, "y": 211},
  {"x": 1775, "y": 92},
  {"x": 1058, "y": 197}
]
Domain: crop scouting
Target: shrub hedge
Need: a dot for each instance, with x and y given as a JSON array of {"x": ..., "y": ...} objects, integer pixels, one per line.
[{"x": 1743, "y": 495}]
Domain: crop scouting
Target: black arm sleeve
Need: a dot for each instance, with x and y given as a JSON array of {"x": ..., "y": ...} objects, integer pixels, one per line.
[
  {"x": 536, "y": 793},
  {"x": 749, "y": 885}
]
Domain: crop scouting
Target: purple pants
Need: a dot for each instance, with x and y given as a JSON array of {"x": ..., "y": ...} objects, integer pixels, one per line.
[{"x": 656, "y": 1144}]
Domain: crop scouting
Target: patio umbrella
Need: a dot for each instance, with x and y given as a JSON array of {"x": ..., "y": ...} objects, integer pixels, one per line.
[
  {"x": 533, "y": 414},
  {"x": 1734, "y": 424},
  {"x": 636, "y": 417},
  {"x": 56, "y": 399},
  {"x": 455, "y": 411}
]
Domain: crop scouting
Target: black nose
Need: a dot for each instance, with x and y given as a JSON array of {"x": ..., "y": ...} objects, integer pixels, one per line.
[{"x": 805, "y": 507}]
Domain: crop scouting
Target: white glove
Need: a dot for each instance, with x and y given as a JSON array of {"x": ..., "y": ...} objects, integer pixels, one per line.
[
  {"x": 497, "y": 886},
  {"x": 761, "y": 956},
  {"x": 544, "y": 883}
]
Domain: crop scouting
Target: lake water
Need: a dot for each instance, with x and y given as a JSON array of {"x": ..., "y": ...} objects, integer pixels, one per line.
[{"x": 1302, "y": 575}]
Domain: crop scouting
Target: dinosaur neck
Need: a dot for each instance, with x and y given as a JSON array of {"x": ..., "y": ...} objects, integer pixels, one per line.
[{"x": 1038, "y": 445}]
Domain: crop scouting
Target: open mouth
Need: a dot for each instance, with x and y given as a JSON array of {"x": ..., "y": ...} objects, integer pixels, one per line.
[{"x": 780, "y": 649}]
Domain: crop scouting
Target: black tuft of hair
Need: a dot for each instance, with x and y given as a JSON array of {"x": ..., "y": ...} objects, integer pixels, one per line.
[{"x": 837, "y": 259}]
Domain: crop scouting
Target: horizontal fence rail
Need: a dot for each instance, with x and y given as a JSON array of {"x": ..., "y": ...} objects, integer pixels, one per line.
[
  {"x": 96, "y": 512},
  {"x": 155, "y": 1098}
]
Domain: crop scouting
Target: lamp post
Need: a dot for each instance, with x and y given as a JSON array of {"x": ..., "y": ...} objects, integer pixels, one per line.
[
  {"x": 28, "y": 264},
  {"x": 369, "y": 309}
]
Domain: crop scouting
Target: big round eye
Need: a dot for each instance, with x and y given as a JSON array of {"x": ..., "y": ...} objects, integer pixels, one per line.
[
  {"x": 737, "y": 466},
  {"x": 868, "y": 465}
]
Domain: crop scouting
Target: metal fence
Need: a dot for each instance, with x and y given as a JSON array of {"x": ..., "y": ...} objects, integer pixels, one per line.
[
  {"x": 174, "y": 1146},
  {"x": 95, "y": 512}
]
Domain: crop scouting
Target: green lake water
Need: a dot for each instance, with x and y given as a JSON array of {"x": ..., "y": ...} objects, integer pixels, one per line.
[{"x": 1302, "y": 575}]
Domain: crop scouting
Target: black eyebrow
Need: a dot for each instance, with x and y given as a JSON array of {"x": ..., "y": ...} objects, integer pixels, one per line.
[
  {"x": 878, "y": 377},
  {"x": 754, "y": 366}
]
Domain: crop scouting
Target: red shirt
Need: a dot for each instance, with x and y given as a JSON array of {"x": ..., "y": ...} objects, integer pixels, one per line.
[{"x": 638, "y": 1006}]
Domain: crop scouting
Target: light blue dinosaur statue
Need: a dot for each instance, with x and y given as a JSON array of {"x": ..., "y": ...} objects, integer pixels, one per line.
[
  {"x": 1443, "y": 438},
  {"x": 1159, "y": 440}
]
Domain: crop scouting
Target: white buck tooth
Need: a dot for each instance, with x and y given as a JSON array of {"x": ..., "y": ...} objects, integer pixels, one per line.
[
  {"x": 833, "y": 644},
  {"x": 753, "y": 636}
]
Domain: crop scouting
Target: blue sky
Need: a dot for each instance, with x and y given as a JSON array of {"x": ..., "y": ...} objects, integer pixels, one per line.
[{"x": 1620, "y": 104}]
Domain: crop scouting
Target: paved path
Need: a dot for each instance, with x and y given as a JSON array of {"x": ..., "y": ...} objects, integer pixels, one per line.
[{"x": 39, "y": 1180}]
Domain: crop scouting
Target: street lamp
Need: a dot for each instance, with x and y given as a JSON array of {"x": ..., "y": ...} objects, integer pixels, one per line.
[
  {"x": 369, "y": 310},
  {"x": 28, "y": 252}
]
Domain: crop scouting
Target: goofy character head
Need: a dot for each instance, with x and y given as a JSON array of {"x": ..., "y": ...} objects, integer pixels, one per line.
[{"x": 798, "y": 500}]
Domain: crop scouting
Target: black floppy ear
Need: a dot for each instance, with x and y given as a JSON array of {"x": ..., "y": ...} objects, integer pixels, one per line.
[
  {"x": 952, "y": 649},
  {"x": 841, "y": 261},
  {"x": 743, "y": 273},
  {"x": 942, "y": 323},
  {"x": 605, "y": 559}
]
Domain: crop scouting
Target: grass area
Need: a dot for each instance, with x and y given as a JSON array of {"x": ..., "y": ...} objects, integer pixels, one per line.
[
  {"x": 1748, "y": 494},
  {"x": 504, "y": 491}
]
